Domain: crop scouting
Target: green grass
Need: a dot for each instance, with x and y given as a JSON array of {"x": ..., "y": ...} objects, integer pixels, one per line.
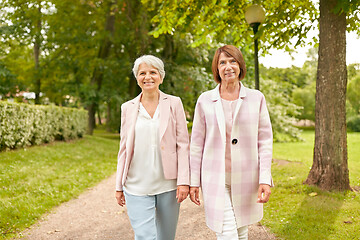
[
  {"x": 34, "y": 180},
  {"x": 292, "y": 213}
]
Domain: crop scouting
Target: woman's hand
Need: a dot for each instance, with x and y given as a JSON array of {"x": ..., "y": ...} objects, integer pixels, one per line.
[
  {"x": 181, "y": 193},
  {"x": 194, "y": 195},
  {"x": 120, "y": 198},
  {"x": 263, "y": 193}
]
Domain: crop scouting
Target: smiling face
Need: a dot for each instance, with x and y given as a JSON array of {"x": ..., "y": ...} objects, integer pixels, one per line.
[
  {"x": 229, "y": 69},
  {"x": 148, "y": 78}
]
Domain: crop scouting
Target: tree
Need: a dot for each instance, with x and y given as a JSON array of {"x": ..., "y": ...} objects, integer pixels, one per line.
[
  {"x": 304, "y": 95},
  {"x": 211, "y": 20},
  {"x": 28, "y": 27},
  {"x": 286, "y": 20},
  {"x": 103, "y": 54},
  {"x": 330, "y": 170},
  {"x": 353, "y": 100},
  {"x": 8, "y": 81}
]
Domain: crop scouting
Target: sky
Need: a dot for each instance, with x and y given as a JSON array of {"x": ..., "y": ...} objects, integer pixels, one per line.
[{"x": 281, "y": 59}]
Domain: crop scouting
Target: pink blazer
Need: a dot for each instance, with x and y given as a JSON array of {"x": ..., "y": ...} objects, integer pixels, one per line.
[
  {"x": 174, "y": 139},
  {"x": 251, "y": 155}
]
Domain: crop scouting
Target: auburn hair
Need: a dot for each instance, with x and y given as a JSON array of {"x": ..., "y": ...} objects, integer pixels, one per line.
[{"x": 229, "y": 51}]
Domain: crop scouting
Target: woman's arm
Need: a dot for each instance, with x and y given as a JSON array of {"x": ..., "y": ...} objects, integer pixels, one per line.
[
  {"x": 122, "y": 151},
  {"x": 265, "y": 143},
  {"x": 197, "y": 145},
  {"x": 182, "y": 145}
]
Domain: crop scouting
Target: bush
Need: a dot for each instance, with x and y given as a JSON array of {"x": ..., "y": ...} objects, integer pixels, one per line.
[
  {"x": 282, "y": 112},
  {"x": 353, "y": 123},
  {"x": 23, "y": 124}
]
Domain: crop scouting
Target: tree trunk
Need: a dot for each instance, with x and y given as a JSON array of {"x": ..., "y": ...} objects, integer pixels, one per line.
[
  {"x": 134, "y": 89},
  {"x": 104, "y": 52},
  {"x": 169, "y": 52},
  {"x": 108, "y": 115},
  {"x": 99, "y": 116},
  {"x": 137, "y": 19},
  {"x": 330, "y": 170},
  {"x": 37, "y": 44},
  {"x": 168, "y": 55}
]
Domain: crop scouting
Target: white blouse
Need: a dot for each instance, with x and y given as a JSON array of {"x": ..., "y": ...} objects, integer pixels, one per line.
[{"x": 146, "y": 175}]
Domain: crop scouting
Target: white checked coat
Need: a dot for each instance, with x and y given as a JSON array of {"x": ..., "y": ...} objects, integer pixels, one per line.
[{"x": 250, "y": 157}]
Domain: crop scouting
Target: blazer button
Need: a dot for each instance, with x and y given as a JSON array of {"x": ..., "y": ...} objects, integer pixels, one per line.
[{"x": 234, "y": 141}]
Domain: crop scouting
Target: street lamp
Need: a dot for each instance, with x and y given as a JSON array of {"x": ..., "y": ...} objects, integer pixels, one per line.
[{"x": 254, "y": 15}]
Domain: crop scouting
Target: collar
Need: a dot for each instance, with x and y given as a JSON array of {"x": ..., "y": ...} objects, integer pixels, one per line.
[
  {"x": 216, "y": 92},
  {"x": 136, "y": 100}
]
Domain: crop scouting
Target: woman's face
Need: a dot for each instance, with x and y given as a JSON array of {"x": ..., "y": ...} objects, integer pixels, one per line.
[
  {"x": 148, "y": 78},
  {"x": 229, "y": 69}
]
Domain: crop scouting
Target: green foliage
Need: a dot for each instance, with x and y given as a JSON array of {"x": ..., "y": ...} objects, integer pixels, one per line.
[
  {"x": 353, "y": 98},
  {"x": 35, "y": 180},
  {"x": 23, "y": 124},
  {"x": 353, "y": 123},
  {"x": 282, "y": 112},
  {"x": 210, "y": 20},
  {"x": 186, "y": 75},
  {"x": 305, "y": 97},
  {"x": 188, "y": 82},
  {"x": 304, "y": 94},
  {"x": 298, "y": 85},
  {"x": 15, "y": 66},
  {"x": 291, "y": 93},
  {"x": 353, "y": 93},
  {"x": 183, "y": 33},
  {"x": 7, "y": 80},
  {"x": 352, "y": 11},
  {"x": 288, "y": 77}
]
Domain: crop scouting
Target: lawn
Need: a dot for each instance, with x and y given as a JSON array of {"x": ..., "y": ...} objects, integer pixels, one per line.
[
  {"x": 34, "y": 180},
  {"x": 297, "y": 211}
]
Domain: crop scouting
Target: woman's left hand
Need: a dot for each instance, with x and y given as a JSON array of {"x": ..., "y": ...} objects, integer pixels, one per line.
[
  {"x": 182, "y": 192},
  {"x": 263, "y": 193}
]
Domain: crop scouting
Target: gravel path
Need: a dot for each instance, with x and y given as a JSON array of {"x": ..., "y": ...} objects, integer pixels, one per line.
[{"x": 96, "y": 215}]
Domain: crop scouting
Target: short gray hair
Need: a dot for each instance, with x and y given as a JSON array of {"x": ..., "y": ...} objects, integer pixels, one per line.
[{"x": 150, "y": 60}]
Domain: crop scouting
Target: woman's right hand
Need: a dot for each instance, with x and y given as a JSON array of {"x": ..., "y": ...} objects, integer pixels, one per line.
[
  {"x": 194, "y": 195},
  {"x": 120, "y": 198}
]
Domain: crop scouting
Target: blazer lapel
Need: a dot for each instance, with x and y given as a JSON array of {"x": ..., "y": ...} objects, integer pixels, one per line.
[
  {"x": 164, "y": 107},
  {"x": 219, "y": 112},
  {"x": 133, "y": 113}
]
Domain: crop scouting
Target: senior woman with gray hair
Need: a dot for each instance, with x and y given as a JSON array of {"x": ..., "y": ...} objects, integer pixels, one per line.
[{"x": 153, "y": 161}]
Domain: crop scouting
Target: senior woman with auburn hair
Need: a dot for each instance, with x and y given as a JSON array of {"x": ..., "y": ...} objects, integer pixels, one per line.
[
  {"x": 153, "y": 160},
  {"x": 231, "y": 149}
]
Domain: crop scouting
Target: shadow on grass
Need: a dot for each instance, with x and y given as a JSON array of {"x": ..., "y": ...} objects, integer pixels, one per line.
[
  {"x": 104, "y": 134},
  {"x": 314, "y": 219}
]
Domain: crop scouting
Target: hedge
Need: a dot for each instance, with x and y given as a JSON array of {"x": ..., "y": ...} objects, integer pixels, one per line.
[{"x": 23, "y": 124}]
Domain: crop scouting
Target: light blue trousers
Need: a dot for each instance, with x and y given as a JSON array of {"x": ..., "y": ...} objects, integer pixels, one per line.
[{"x": 153, "y": 217}]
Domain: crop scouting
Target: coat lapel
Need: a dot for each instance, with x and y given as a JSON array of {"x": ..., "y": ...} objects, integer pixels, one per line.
[
  {"x": 219, "y": 112},
  {"x": 164, "y": 107},
  {"x": 242, "y": 95}
]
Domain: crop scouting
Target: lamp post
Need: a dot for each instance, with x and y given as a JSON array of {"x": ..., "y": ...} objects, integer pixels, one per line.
[{"x": 254, "y": 15}]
